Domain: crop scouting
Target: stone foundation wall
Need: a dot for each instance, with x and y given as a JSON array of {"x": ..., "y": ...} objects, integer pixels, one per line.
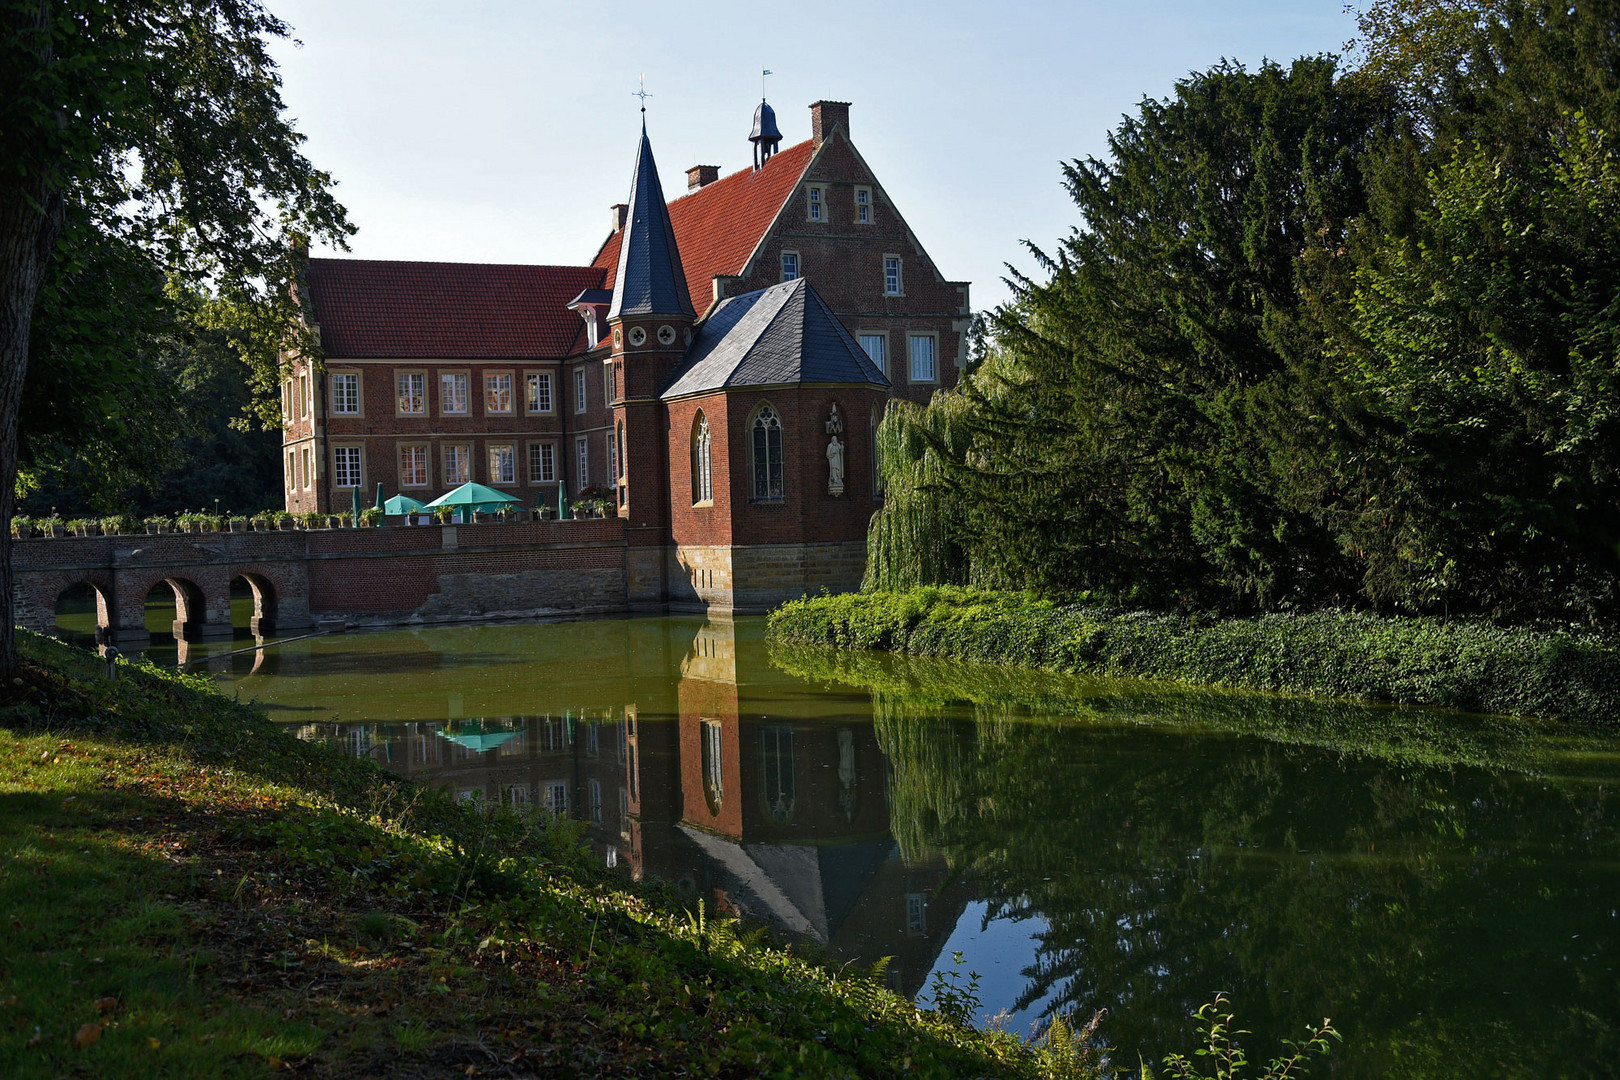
[{"x": 752, "y": 579}]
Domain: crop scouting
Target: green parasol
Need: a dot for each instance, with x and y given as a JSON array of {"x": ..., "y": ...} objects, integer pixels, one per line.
[
  {"x": 379, "y": 495},
  {"x": 562, "y": 500},
  {"x": 402, "y": 504},
  {"x": 471, "y": 496},
  {"x": 356, "y": 492}
]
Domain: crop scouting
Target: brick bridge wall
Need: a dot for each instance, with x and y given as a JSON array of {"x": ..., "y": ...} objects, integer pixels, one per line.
[{"x": 378, "y": 576}]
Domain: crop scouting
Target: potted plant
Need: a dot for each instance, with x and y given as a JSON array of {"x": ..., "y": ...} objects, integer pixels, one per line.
[
  {"x": 84, "y": 527},
  {"x": 371, "y": 516},
  {"x": 52, "y": 526},
  {"x": 260, "y": 521},
  {"x": 444, "y": 514},
  {"x": 22, "y": 527},
  {"x": 188, "y": 522},
  {"x": 311, "y": 519},
  {"x": 284, "y": 521},
  {"x": 238, "y": 523},
  {"x": 546, "y": 512},
  {"x": 157, "y": 523}
]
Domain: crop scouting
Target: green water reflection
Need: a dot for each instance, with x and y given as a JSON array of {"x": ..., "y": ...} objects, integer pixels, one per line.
[{"x": 1446, "y": 887}]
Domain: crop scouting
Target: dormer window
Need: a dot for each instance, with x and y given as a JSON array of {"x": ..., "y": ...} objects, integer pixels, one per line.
[
  {"x": 790, "y": 265},
  {"x": 863, "y": 206},
  {"x": 816, "y": 210}
]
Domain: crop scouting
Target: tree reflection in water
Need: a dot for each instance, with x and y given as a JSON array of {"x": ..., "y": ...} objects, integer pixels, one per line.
[{"x": 1444, "y": 887}]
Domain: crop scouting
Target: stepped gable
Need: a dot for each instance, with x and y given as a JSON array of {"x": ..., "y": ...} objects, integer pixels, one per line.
[
  {"x": 719, "y": 225},
  {"x": 373, "y": 309},
  {"x": 781, "y": 335},
  {"x": 648, "y": 279}
]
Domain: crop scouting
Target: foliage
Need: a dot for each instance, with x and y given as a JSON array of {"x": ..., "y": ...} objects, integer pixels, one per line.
[
  {"x": 1323, "y": 339},
  {"x": 1228, "y": 1059},
  {"x": 1564, "y": 673}
]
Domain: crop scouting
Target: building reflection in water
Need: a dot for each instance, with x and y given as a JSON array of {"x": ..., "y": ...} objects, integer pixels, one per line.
[{"x": 763, "y": 805}]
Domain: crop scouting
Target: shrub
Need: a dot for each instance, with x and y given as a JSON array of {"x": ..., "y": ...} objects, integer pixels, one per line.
[{"x": 1564, "y": 673}]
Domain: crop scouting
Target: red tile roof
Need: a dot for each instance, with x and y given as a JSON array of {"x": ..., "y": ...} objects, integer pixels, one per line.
[
  {"x": 718, "y": 226},
  {"x": 451, "y": 311}
]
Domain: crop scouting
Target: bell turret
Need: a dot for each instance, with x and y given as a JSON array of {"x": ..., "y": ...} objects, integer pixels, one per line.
[{"x": 766, "y": 137}]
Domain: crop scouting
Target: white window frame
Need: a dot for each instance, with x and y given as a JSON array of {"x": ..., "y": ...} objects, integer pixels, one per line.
[
  {"x": 498, "y": 393},
  {"x": 343, "y": 384},
  {"x": 894, "y": 282},
  {"x": 790, "y": 266},
  {"x": 454, "y": 389},
  {"x": 582, "y": 454},
  {"x": 816, "y": 203},
  {"x": 580, "y": 386},
  {"x": 863, "y": 206},
  {"x": 537, "y": 392},
  {"x": 882, "y": 357},
  {"x": 932, "y": 374},
  {"x": 405, "y": 395},
  {"x": 614, "y": 469},
  {"x": 345, "y": 458},
  {"x": 463, "y": 461},
  {"x": 542, "y": 463},
  {"x": 308, "y": 457},
  {"x": 405, "y": 471},
  {"x": 502, "y": 458}
]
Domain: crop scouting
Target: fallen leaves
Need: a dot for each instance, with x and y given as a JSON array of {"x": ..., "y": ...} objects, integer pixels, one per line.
[{"x": 87, "y": 1035}]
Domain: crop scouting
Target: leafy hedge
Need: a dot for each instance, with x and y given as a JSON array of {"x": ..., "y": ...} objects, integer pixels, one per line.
[{"x": 1566, "y": 674}]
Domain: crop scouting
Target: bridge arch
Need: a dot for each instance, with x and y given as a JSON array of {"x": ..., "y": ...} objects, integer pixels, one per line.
[
  {"x": 262, "y": 623},
  {"x": 190, "y": 605},
  {"x": 76, "y": 599}
]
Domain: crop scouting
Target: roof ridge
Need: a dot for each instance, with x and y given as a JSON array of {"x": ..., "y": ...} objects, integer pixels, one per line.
[{"x": 449, "y": 262}]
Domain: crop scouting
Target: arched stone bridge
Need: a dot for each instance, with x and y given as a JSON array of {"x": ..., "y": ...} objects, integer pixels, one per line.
[
  {"x": 366, "y": 576},
  {"x": 198, "y": 567}
]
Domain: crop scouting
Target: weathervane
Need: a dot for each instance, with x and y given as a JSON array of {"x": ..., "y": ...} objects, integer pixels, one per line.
[
  {"x": 642, "y": 94},
  {"x": 762, "y": 75}
]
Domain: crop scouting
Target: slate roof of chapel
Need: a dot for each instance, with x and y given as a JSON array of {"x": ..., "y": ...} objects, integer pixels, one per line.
[
  {"x": 373, "y": 309},
  {"x": 775, "y": 336},
  {"x": 718, "y": 226}
]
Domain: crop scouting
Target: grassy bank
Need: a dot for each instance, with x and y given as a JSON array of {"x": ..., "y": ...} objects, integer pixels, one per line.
[
  {"x": 1420, "y": 661},
  {"x": 188, "y": 891}
]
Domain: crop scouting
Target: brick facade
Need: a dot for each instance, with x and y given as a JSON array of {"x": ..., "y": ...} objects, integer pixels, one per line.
[{"x": 814, "y": 210}]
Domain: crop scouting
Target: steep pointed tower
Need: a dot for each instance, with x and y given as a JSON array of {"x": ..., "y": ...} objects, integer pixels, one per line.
[{"x": 651, "y": 323}]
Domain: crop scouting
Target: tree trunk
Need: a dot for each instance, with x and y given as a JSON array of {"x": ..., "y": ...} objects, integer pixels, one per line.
[{"x": 31, "y": 213}]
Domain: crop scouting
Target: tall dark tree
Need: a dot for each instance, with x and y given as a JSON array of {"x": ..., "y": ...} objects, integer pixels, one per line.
[{"x": 149, "y": 132}]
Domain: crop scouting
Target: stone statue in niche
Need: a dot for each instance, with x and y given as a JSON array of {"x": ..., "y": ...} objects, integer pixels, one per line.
[
  {"x": 835, "y": 453},
  {"x": 835, "y": 467}
]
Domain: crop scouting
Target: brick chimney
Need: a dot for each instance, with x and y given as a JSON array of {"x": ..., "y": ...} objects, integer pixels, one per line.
[
  {"x": 826, "y": 115},
  {"x": 699, "y": 175},
  {"x": 619, "y": 211}
]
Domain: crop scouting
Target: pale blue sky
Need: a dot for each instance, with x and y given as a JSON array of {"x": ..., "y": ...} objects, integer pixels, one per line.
[{"x": 503, "y": 131}]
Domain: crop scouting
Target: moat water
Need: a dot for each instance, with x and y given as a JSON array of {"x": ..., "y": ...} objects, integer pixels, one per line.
[{"x": 1445, "y": 887}]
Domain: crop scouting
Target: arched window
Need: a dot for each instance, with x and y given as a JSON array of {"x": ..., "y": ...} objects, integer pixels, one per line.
[
  {"x": 702, "y": 479},
  {"x": 767, "y": 453}
]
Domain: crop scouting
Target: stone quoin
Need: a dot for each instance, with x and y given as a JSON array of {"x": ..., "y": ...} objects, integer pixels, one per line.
[{"x": 716, "y": 372}]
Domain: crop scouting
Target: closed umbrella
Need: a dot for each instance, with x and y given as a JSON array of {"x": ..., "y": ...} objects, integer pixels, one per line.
[
  {"x": 356, "y": 492},
  {"x": 379, "y": 495}
]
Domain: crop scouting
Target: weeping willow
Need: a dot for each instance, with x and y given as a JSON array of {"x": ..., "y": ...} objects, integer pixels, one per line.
[{"x": 916, "y": 538}]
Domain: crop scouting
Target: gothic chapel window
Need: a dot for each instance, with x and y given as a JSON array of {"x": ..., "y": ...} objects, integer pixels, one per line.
[
  {"x": 767, "y": 454},
  {"x": 702, "y": 483}
]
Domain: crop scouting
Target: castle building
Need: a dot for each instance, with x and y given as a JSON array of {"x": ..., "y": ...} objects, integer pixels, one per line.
[{"x": 718, "y": 370}]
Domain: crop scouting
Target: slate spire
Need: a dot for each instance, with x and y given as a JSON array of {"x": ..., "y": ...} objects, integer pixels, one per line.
[{"x": 650, "y": 280}]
